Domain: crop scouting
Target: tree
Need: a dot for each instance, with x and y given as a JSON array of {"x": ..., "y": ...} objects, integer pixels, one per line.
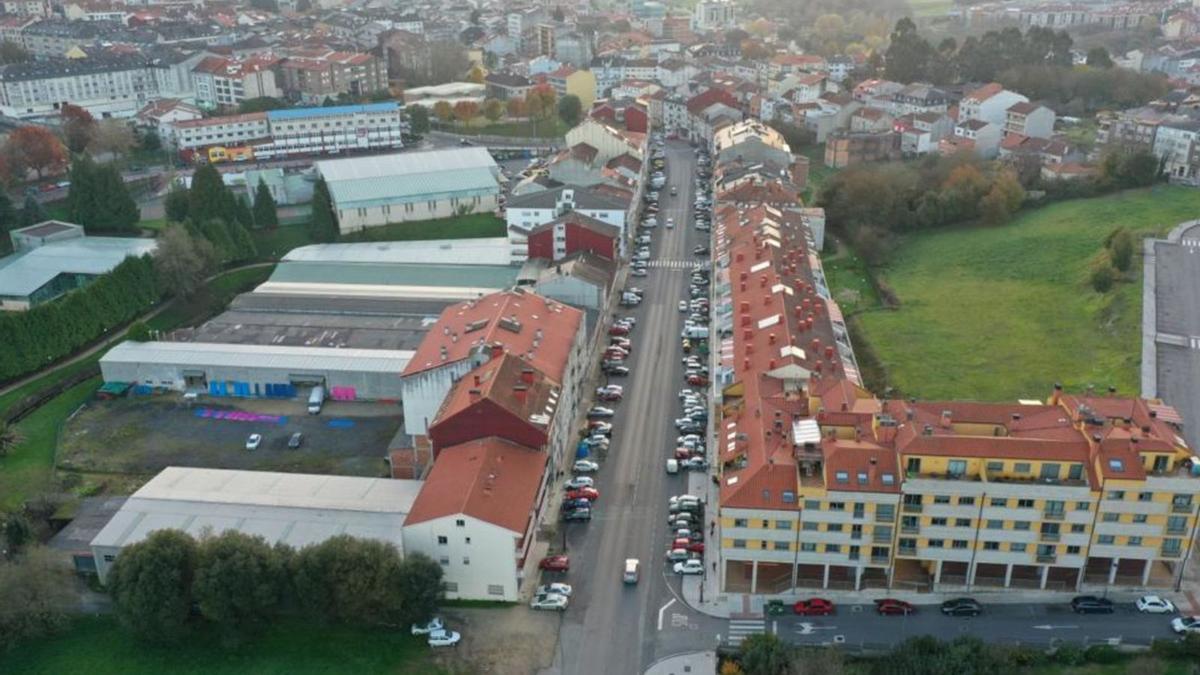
[
  {"x": 35, "y": 597},
  {"x": 1097, "y": 57},
  {"x": 138, "y": 332},
  {"x": 38, "y": 149},
  {"x": 181, "y": 260},
  {"x": 443, "y": 111},
  {"x": 8, "y": 217},
  {"x": 421, "y": 587},
  {"x": 266, "y": 213},
  {"x": 208, "y": 197},
  {"x": 350, "y": 580},
  {"x": 82, "y": 195},
  {"x": 114, "y": 137},
  {"x": 150, "y": 141},
  {"x": 515, "y": 107},
  {"x": 115, "y": 210},
  {"x": 176, "y": 204},
  {"x": 493, "y": 109},
  {"x": 324, "y": 226},
  {"x": 570, "y": 110},
  {"x": 765, "y": 654},
  {"x": 1102, "y": 275},
  {"x": 465, "y": 111},
  {"x": 151, "y": 585},
  {"x": 79, "y": 127},
  {"x": 1120, "y": 249},
  {"x": 908, "y": 55},
  {"x": 32, "y": 212},
  {"x": 418, "y": 119},
  {"x": 242, "y": 214},
  {"x": 18, "y": 531},
  {"x": 11, "y": 52},
  {"x": 1003, "y": 199},
  {"x": 239, "y": 581}
]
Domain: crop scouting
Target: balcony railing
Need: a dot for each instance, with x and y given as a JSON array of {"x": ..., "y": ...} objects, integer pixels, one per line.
[
  {"x": 1177, "y": 530},
  {"x": 1181, "y": 508},
  {"x": 1051, "y": 536},
  {"x": 910, "y": 529},
  {"x": 881, "y": 538},
  {"x": 913, "y": 508},
  {"x": 903, "y": 550},
  {"x": 883, "y": 559},
  {"x": 885, "y": 518},
  {"x": 1047, "y": 558},
  {"x": 1164, "y": 553},
  {"x": 1053, "y": 515}
]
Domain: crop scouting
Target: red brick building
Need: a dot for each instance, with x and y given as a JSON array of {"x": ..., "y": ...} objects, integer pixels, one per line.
[{"x": 574, "y": 233}]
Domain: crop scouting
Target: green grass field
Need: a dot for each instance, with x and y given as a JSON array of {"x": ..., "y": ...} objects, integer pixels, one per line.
[
  {"x": 99, "y": 647},
  {"x": 1003, "y": 313},
  {"x": 930, "y": 8},
  {"x": 463, "y": 227}
]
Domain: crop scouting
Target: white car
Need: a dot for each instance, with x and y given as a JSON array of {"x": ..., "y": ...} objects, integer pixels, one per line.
[
  {"x": 585, "y": 466},
  {"x": 1186, "y": 624},
  {"x": 444, "y": 638},
  {"x": 611, "y": 388},
  {"x": 693, "y": 566},
  {"x": 253, "y": 441},
  {"x": 670, "y": 223},
  {"x": 578, "y": 482},
  {"x": 639, "y": 272},
  {"x": 1153, "y": 604},
  {"x": 551, "y": 601},
  {"x": 554, "y": 589},
  {"x": 435, "y": 624}
]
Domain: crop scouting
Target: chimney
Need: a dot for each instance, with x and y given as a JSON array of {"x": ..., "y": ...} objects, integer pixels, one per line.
[
  {"x": 477, "y": 380},
  {"x": 771, "y": 339},
  {"x": 475, "y": 394},
  {"x": 527, "y": 375},
  {"x": 520, "y": 392},
  {"x": 945, "y": 419}
]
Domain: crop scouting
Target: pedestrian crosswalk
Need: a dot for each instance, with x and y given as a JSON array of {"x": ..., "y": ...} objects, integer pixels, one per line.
[
  {"x": 740, "y": 629},
  {"x": 677, "y": 264}
]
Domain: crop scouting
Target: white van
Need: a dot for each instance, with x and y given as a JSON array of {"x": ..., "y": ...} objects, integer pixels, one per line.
[
  {"x": 631, "y": 571},
  {"x": 316, "y": 399},
  {"x": 672, "y": 465}
]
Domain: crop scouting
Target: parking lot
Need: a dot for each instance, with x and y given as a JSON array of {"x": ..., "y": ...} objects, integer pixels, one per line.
[{"x": 143, "y": 435}]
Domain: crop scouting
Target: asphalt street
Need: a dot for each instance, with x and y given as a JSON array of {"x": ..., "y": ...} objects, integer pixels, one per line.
[{"x": 616, "y": 629}]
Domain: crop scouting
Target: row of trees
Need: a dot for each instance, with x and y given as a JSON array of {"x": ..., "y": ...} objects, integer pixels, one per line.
[
  {"x": 53, "y": 330},
  {"x": 239, "y": 583},
  {"x": 83, "y": 133},
  {"x": 211, "y": 212},
  {"x": 539, "y": 104},
  {"x": 98, "y": 199},
  {"x": 1038, "y": 63}
]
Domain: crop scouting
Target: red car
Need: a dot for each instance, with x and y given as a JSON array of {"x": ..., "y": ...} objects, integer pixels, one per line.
[
  {"x": 590, "y": 494},
  {"x": 697, "y": 380},
  {"x": 892, "y": 606},
  {"x": 813, "y": 607},
  {"x": 696, "y": 547},
  {"x": 682, "y": 453},
  {"x": 681, "y": 543},
  {"x": 555, "y": 563},
  {"x": 618, "y": 330}
]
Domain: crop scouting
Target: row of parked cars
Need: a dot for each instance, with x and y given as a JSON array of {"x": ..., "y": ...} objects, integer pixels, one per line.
[{"x": 685, "y": 518}]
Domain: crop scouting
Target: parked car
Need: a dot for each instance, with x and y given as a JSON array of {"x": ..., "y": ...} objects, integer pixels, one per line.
[
  {"x": 586, "y": 492},
  {"x": 444, "y": 638},
  {"x": 296, "y": 440},
  {"x": 253, "y": 441},
  {"x": 676, "y": 555},
  {"x": 618, "y": 329},
  {"x": 639, "y": 272},
  {"x": 578, "y": 482},
  {"x": 585, "y": 466},
  {"x": 434, "y": 624},
  {"x": 962, "y": 607},
  {"x": 813, "y": 607},
  {"x": 690, "y": 566},
  {"x": 890, "y": 606},
  {"x": 617, "y": 370},
  {"x": 597, "y": 411},
  {"x": 555, "y": 563},
  {"x": 694, "y": 464},
  {"x": 578, "y": 514},
  {"x": 554, "y": 589},
  {"x": 600, "y": 427},
  {"x": 551, "y": 601},
  {"x": 1090, "y": 604},
  {"x": 1153, "y": 604},
  {"x": 1186, "y": 624}
]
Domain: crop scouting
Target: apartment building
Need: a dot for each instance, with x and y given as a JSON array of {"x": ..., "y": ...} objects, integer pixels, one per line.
[
  {"x": 845, "y": 148},
  {"x": 989, "y": 103},
  {"x": 106, "y": 85},
  {"x": 311, "y": 78},
  {"x": 224, "y": 83}
]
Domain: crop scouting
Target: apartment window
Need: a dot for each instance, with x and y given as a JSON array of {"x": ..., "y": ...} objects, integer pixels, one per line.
[
  {"x": 859, "y": 509},
  {"x": 994, "y": 524},
  {"x": 443, "y": 540},
  {"x": 941, "y": 499},
  {"x": 1105, "y": 539},
  {"x": 1176, "y": 523},
  {"x": 956, "y": 467},
  {"x": 1078, "y": 528},
  {"x": 995, "y": 467},
  {"x": 1117, "y": 465},
  {"x": 998, "y": 501},
  {"x": 766, "y": 524},
  {"x": 783, "y": 524},
  {"x": 1024, "y": 503},
  {"x": 837, "y": 506},
  {"x": 1072, "y": 550},
  {"x": 1111, "y": 517},
  {"x": 1145, "y": 496},
  {"x": 1135, "y": 541},
  {"x": 1021, "y": 467},
  {"x": 781, "y": 546},
  {"x": 1139, "y": 518},
  {"x": 959, "y": 543},
  {"x": 109, "y": 557},
  {"x": 808, "y": 547},
  {"x": 885, "y": 512},
  {"x": 466, "y": 560},
  {"x": 1171, "y": 546},
  {"x": 739, "y": 543},
  {"x": 888, "y": 479},
  {"x": 908, "y": 543},
  {"x": 460, "y": 523},
  {"x": 833, "y": 527},
  {"x": 444, "y": 561},
  {"x": 842, "y": 476},
  {"x": 1083, "y": 506},
  {"x": 833, "y": 548},
  {"x": 936, "y": 543},
  {"x": 1017, "y": 547},
  {"x": 991, "y": 546},
  {"x": 810, "y": 527},
  {"x": 1022, "y": 525},
  {"x": 913, "y": 465},
  {"x": 937, "y": 522},
  {"x": 1049, "y": 471},
  {"x": 862, "y": 477},
  {"x": 962, "y": 522},
  {"x": 762, "y": 545},
  {"x": 812, "y": 504},
  {"x": 1075, "y": 472},
  {"x": 495, "y": 589},
  {"x": 789, "y": 497},
  {"x": 451, "y": 586},
  {"x": 966, "y": 501},
  {"x": 740, "y": 522}
]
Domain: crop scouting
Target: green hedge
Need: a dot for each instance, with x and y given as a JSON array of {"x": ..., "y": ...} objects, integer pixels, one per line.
[{"x": 49, "y": 332}]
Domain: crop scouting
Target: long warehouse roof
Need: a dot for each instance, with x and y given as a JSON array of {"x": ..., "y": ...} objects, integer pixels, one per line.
[
  {"x": 201, "y": 354},
  {"x": 405, "y": 164},
  {"x": 398, "y": 274},
  {"x": 23, "y": 273},
  {"x": 483, "y": 251}
]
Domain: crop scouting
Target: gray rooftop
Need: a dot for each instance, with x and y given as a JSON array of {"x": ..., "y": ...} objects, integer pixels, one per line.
[
  {"x": 23, "y": 273},
  {"x": 403, "y": 274},
  {"x": 259, "y": 356},
  {"x": 485, "y": 251},
  {"x": 406, "y": 164}
]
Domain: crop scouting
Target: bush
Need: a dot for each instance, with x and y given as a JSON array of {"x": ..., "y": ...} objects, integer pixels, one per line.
[
  {"x": 1120, "y": 249},
  {"x": 1069, "y": 654},
  {"x": 34, "y": 597},
  {"x": 1102, "y": 275},
  {"x": 151, "y": 585},
  {"x": 1103, "y": 654}
]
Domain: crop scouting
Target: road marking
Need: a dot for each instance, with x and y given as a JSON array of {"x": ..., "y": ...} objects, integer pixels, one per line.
[
  {"x": 1047, "y": 626},
  {"x": 809, "y": 629},
  {"x": 663, "y": 609},
  {"x": 676, "y": 264},
  {"x": 1194, "y": 342},
  {"x": 740, "y": 629}
]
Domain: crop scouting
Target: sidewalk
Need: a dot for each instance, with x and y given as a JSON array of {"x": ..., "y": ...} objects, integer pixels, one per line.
[{"x": 692, "y": 662}]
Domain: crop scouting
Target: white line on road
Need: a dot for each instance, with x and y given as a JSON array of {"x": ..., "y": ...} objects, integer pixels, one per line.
[
  {"x": 1049, "y": 627},
  {"x": 663, "y": 609}
]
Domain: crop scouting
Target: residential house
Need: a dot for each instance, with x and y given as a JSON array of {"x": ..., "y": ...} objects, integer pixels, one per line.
[
  {"x": 503, "y": 86},
  {"x": 973, "y": 135},
  {"x": 844, "y": 148},
  {"x": 920, "y": 133},
  {"x": 568, "y": 80},
  {"x": 1029, "y": 119},
  {"x": 989, "y": 103}
]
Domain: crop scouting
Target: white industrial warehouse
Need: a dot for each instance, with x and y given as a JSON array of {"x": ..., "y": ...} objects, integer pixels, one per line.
[
  {"x": 257, "y": 370},
  {"x": 290, "y": 508}
]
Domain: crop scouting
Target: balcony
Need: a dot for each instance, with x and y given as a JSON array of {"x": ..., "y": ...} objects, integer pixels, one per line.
[
  {"x": 1050, "y": 536},
  {"x": 1164, "y": 553},
  {"x": 1047, "y": 558},
  {"x": 881, "y": 538},
  {"x": 1176, "y": 530},
  {"x": 904, "y": 550},
  {"x": 1181, "y": 508},
  {"x": 1053, "y": 515},
  {"x": 913, "y": 508},
  {"x": 883, "y": 559},
  {"x": 910, "y": 529},
  {"x": 885, "y": 518}
]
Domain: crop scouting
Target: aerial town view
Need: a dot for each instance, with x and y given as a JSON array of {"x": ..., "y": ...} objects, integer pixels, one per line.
[{"x": 618, "y": 337}]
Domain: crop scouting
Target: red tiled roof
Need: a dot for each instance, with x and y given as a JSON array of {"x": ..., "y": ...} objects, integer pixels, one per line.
[
  {"x": 490, "y": 479},
  {"x": 541, "y": 330},
  {"x": 985, "y": 92},
  {"x": 508, "y": 382}
]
